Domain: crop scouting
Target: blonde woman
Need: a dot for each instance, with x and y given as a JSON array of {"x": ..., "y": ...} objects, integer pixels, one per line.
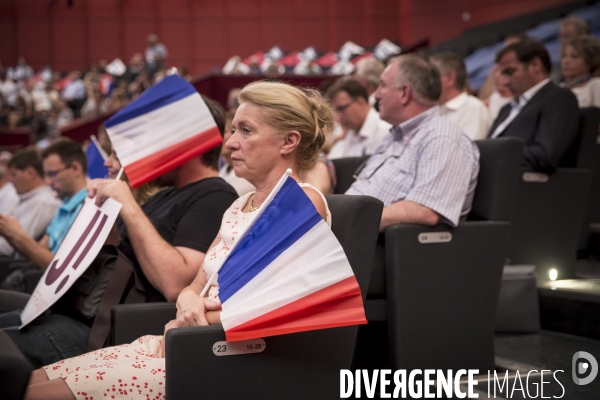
[{"x": 277, "y": 127}]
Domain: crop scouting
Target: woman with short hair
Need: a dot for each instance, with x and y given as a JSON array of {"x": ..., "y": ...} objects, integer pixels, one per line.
[{"x": 579, "y": 59}]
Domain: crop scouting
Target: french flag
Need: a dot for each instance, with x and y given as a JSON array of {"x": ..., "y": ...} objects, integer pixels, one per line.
[
  {"x": 168, "y": 125},
  {"x": 288, "y": 273}
]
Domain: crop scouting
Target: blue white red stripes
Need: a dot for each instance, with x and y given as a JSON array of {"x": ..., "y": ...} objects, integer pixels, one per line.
[
  {"x": 288, "y": 273},
  {"x": 166, "y": 126}
]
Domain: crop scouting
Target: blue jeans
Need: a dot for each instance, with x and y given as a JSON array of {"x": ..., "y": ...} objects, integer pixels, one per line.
[{"x": 47, "y": 339}]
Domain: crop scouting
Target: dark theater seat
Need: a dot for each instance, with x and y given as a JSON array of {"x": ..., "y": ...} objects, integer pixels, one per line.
[
  {"x": 14, "y": 370},
  {"x": 438, "y": 287},
  {"x": 295, "y": 366}
]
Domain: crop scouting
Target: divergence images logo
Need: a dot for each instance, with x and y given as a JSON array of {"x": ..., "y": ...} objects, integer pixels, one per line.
[{"x": 580, "y": 368}]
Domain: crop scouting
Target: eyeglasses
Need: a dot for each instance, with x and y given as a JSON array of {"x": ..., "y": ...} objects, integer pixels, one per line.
[
  {"x": 341, "y": 109},
  {"x": 54, "y": 174}
]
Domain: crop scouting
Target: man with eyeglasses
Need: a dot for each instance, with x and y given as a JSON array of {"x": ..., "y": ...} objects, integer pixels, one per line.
[
  {"x": 364, "y": 128},
  {"x": 36, "y": 203},
  {"x": 425, "y": 170},
  {"x": 65, "y": 169}
]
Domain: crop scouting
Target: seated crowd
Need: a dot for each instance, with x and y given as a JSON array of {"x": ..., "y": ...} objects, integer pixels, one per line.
[
  {"x": 48, "y": 100},
  {"x": 415, "y": 120}
]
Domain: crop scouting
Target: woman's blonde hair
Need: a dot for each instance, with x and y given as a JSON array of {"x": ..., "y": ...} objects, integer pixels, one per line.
[{"x": 287, "y": 108}]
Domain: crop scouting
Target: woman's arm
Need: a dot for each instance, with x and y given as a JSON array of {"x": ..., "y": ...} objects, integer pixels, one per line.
[{"x": 190, "y": 306}]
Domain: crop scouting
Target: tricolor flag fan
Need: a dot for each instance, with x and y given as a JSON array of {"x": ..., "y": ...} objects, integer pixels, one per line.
[
  {"x": 95, "y": 160},
  {"x": 166, "y": 126},
  {"x": 288, "y": 273}
]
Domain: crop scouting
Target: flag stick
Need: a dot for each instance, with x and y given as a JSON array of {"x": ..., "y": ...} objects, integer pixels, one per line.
[
  {"x": 100, "y": 149},
  {"x": 119, "y": 174}
]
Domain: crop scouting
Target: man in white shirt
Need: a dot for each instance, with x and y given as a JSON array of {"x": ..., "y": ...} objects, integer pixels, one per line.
[
  {"x": 466, "y": 111},
  {"x": 8, "y": 194},
  {"x": 364, "y": 129},
  {"x": 156, "y": 54},
  {"x": 37, "y": 202}
]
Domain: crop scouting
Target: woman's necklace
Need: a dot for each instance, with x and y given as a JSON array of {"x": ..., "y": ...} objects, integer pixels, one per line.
[{"x": 251, "y": 207}]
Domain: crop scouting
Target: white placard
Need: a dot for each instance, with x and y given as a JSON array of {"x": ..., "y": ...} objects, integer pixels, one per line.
[
  {"x": 240, "y": 347},
  {"x": 77, "y": 251}
]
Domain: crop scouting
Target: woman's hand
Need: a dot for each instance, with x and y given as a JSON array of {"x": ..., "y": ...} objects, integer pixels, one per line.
[{"x": 190, "y": 309}]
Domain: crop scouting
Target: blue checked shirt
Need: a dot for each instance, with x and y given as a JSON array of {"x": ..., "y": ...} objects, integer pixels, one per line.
[{"x": 427, "y": 160}]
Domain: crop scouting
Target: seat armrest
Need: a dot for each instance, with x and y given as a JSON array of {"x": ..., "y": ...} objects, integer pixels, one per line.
[
  {"x": 288, "y": 366},
  {"x": 11, "y": 300},
  {"x": 32, "y": 277},
  {"x": 14, "y": 369},
  {"x": 131, "y": 321}
]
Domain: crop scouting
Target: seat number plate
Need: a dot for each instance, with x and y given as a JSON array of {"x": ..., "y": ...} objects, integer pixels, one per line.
[
  {"x": 241, "y": 347},
  {"x": 435, "y": 237},
  {"x": 535, "y": 177}
]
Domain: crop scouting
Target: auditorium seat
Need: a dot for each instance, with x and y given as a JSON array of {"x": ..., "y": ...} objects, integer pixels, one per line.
[
  {"x": 439, "y": 286},
  {"x": 346, "y": 167},
  {"x": 301, "y": 365},
  {"x": 547, "y": 221},
  {"x": 588, "y": 156},
  {"x": 15, "y": 370},
  {"x": 554, "y": 211},
  {"x": 442, "y": 283}
]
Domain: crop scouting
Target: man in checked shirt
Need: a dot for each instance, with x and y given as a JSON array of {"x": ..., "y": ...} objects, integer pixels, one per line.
[{"x": 424, "y": 170}]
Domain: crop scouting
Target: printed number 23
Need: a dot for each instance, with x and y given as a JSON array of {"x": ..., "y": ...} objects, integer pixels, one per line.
[{"x": 221, "y": 348}]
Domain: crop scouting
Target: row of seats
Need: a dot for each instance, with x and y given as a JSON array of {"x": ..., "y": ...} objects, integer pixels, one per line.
[{"x": 437, "y": 288}]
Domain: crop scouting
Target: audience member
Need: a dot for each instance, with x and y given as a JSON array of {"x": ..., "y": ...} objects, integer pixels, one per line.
[
  {"x": 490, "y": 91},
  {"x": 580, "y": 57},
  {"x": 226, "y": 172},
  {"x": 233, "y": 100},
  {"x": 21, "y": 71},
  {"x": 8, "y": 195},
  {"x": 425, "y": 170},
  {"x": 466, "y": 111},
  {"x": 569, "y": 28},
  {"x": 8, "y": 89},
  {"x": 141, "y": 194},
  {"x": 156, "y": 54},
  {"x": 91, "y": 107},
  {"x": 284, "y": 134},
  {"x": 362, "y": 125},
  {"x": 37, "y": 203},
  {"x": 368, "y": 73},
  {"x": 75, "y": 89},
  {"x": 545, "y": 116},
  {"x": 62, "y": 114},
  {"x": 65, "y": 168},
  {"x": 165, "y": 241}
]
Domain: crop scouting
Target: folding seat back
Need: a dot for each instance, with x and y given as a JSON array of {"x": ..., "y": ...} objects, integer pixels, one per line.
[
  {"x": 15, "y": 370},
  {"x": 588, "y": 156},
  {"x": 547, "y": 221},
  {"x": 345, "y": 168},
  {"x": 443, "y": 283}
]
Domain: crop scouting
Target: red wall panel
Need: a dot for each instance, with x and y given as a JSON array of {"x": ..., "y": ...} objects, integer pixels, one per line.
[
  {"x": 104, "y": 39},
  {"x": 204, "y": 33}
]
